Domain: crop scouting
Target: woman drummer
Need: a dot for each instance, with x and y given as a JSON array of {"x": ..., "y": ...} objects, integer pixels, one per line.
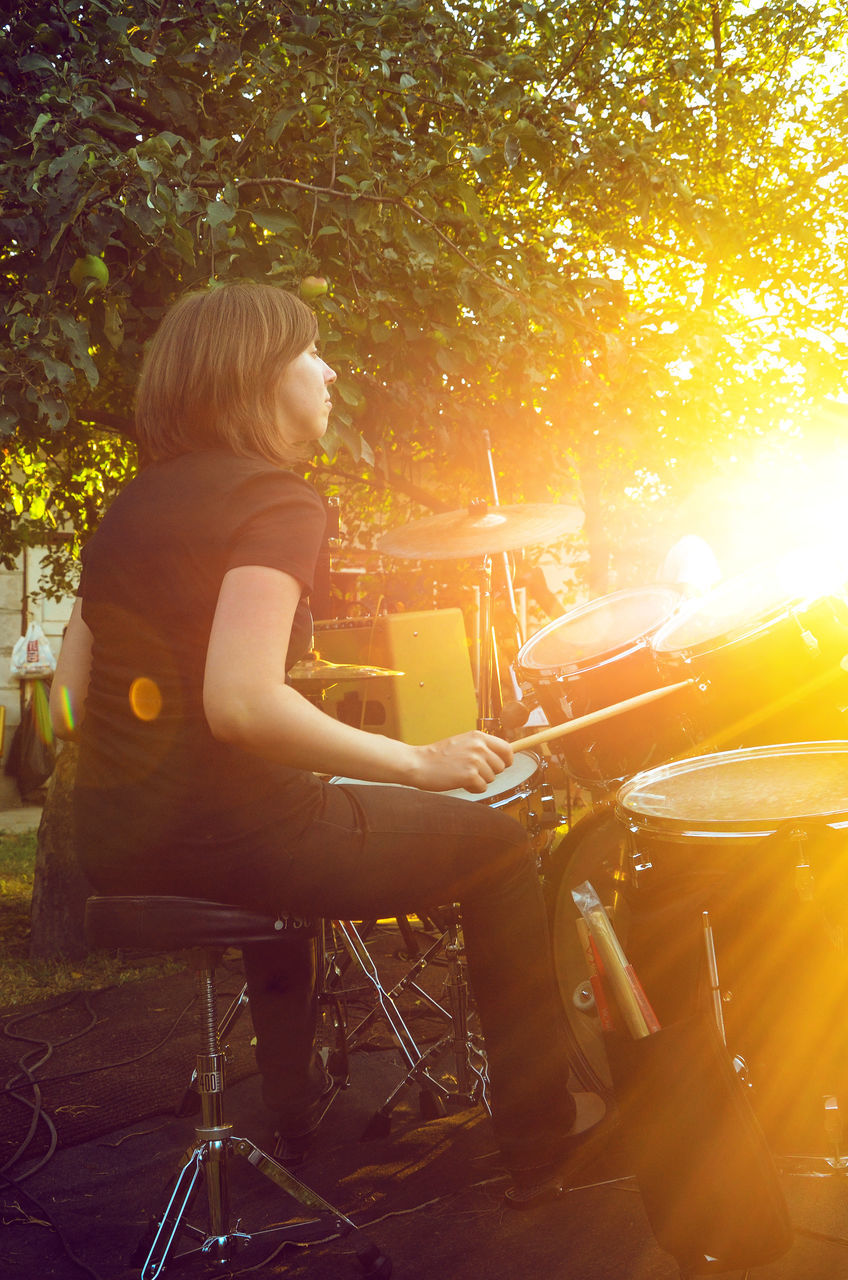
[{"x": 198, "y": 762}]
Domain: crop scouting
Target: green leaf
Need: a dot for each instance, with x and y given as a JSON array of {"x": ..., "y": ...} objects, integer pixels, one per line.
[
  {"x": 34, "y": 62},
  {"x": 350, "y": 394},
  {"x": 183, "y": 242},
  {"x": 41, "y": 121},
  {"x": 276, "y": 223},
  {"x": 142, "y": 56},
  {"x": 219, "y": 212},
  {"x": 278, "y": 124}
]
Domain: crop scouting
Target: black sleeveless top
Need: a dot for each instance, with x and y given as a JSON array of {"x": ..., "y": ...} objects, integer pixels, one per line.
[{"x": 151, "y": 779}]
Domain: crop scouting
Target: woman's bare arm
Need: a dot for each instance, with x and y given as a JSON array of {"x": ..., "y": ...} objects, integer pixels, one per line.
[
  {"x": 70, "y": 681},
  {"x": 247, "y": 701}
]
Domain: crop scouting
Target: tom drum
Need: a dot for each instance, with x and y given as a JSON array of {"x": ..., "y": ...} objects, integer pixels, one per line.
[{"x": 595, "y": 655}]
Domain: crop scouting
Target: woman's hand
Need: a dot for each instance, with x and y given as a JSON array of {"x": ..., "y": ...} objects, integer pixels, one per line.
[{"x": 470, "y": 760}]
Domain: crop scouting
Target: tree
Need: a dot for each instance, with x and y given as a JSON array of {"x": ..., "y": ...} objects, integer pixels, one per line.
[{"x": 579, "y": 227}]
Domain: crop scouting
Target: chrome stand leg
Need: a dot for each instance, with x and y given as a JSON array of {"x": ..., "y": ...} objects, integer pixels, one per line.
[
  {"x": 166, "y": 1233},
  {"x": 472, "y": 1079},
  {"x": 210, "y": 1157}
]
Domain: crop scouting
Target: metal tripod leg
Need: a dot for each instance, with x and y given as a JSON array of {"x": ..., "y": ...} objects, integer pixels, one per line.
[
  {"x": 223, "y": 1242},
  {"x": 210, "y": 1157},
  {"x": 471, "y": 1080}
]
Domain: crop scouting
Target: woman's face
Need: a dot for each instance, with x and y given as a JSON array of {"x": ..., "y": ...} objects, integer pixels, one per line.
[{"x": 303, "y": 400}]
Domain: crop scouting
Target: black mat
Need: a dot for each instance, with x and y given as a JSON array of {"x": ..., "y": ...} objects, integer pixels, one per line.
[{"x": 430, "y": 1193}]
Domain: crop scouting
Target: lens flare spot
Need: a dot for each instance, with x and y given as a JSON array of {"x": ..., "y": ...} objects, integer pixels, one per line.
[
  {"x": 67, "y": 708},
  {"x": 145, "y": 698}
]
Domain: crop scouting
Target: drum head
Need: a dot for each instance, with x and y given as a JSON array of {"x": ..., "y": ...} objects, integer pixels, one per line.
[
  {"x": 596, "y": 631},
  {"x": 524, "y": 765},
  {"x": 752, "y": 790},
  {"x": 735, "y": 608}
]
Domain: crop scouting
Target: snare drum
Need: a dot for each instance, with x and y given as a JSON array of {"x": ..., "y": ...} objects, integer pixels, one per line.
[
  {"x": 520, "y": 790},
  {"x": 766, "y": 660},
  {"x": 594, "y": 656},
  {"x": 759, "y": 838}
]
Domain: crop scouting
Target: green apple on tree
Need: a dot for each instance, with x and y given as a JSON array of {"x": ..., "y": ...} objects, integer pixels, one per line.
[
  {"x": 313, "y": 287},
  {"x": 89, "y": 268}
]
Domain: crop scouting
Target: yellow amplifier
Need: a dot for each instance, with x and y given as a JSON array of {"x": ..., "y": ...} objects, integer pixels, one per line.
[{"x": 435, "y": 696}]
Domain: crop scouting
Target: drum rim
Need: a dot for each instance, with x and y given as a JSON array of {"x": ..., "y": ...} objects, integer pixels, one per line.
[
  {"x": 512, "y": 791},
  {"x": 634, "y": 820},
  {"x": 633, "y": 642},
  {"x": 722, "y": 639}
]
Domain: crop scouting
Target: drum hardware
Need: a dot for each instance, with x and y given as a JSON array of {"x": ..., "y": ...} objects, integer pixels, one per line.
[
  {"x": 803, "y": 870},
  {"x": 479, "y": 532},
  {"x": 510, "y": 587},
  {"x": 547, "y": 816},
  {"x": 314, "y": 670},
  {"x": 808, "y": 639},
  {"x": 833, "y": 1129},
  {"x": 712, "y": 975},
  {"x": 640, "y": 863},
  {"x": 468, "y": 1052}
]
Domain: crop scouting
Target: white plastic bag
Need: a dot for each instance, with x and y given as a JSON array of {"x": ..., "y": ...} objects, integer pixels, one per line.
[{"x": 32, "y": 657}]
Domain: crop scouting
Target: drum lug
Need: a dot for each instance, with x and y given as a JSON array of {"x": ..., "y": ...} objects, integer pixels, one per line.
[
  {"x": 803, "y": 871},
  {"x": 640, "y": 863},
  {"x": 639, "y": 867},
  {"x": 546, "y": 815}
]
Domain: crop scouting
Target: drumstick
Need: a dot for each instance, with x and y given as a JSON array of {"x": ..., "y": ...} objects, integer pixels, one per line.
[{"x": 593, "y": 717}]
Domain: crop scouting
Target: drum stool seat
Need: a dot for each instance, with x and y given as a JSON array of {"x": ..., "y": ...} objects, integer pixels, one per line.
[{"x": 165, "y": 923}]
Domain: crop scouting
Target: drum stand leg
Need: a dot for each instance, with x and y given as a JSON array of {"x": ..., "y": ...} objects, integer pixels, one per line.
[{"x": 469, "y": 1055}]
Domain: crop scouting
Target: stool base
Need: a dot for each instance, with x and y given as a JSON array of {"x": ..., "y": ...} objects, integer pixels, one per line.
[{"x": 208, "y": 1160}]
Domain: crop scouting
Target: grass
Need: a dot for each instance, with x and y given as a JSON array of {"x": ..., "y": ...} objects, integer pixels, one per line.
[{"x": 24, "y": 981}]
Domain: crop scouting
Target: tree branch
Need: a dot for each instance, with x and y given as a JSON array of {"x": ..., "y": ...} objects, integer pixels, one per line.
[{"x": 397, "y": 201}]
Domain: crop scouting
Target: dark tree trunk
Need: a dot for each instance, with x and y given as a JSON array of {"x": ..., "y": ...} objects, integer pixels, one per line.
[{"x": 59, "y": 889}]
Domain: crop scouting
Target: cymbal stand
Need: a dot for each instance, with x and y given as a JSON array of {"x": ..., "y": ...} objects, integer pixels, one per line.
[
  {"x": 510, "y": 586},
  {"x": 489, "y": 695},
  {"x": 486, "y": 718}
]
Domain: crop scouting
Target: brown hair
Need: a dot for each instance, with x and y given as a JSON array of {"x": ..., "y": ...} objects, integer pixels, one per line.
[{"x": 211, "y": 370}]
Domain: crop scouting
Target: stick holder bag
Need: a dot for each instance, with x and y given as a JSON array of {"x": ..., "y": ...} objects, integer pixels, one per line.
[{"x": 707, "y": 1177}]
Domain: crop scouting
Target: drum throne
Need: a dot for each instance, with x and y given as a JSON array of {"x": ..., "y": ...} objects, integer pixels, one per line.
[{"x": 207, "y": 929}]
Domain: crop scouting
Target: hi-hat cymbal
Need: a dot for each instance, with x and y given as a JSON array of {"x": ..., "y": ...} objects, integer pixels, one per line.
[
  {"x": 481, "y": 530},
  {"x": 315, "y": 670}
]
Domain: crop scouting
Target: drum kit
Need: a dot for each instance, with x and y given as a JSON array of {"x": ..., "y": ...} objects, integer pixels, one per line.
[{"x": 707, "y": 737}]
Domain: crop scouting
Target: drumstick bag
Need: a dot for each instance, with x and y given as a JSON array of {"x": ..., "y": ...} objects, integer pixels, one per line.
[{"x": 705, "y": 1172}]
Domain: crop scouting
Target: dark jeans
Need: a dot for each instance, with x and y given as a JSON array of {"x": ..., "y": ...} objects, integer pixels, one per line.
[
  {"x": 368, "y": 853},
  {"x": 378, "y": 851}
]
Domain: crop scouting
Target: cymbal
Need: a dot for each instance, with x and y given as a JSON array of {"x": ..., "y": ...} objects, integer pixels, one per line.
[
  {"x": 481, "y": 530},
  {"x": 316, "y": 670}
]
